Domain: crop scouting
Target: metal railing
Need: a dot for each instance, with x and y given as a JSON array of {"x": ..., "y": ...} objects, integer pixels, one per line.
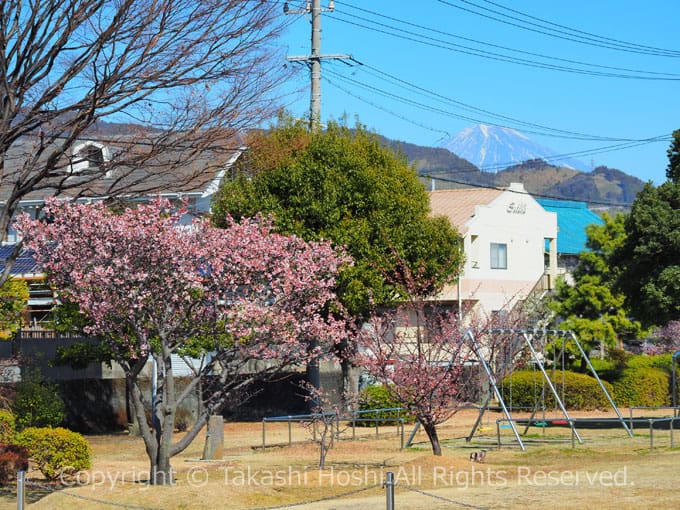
[
  {"x": 353, "y": 419},
  {"x": 675, "y": 409}
]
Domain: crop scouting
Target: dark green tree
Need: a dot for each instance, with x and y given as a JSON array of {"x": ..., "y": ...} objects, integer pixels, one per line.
[
  {"x": 649, "y": 259},
  {"x": 673, "y": 168},
  {"x": 342, "y": 184},
  {"x": 592, "y": 307}
]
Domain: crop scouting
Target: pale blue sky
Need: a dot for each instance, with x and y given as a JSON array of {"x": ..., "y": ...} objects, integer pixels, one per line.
[{"x": 604, "y": 103}]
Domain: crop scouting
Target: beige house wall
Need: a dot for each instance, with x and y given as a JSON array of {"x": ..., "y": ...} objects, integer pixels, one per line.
[{"x": 511, "y": 219}]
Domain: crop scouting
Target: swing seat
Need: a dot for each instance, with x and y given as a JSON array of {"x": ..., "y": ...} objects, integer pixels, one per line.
[
  {"x": 506, "y": 426},
  {"x": 540, "y": 424}
]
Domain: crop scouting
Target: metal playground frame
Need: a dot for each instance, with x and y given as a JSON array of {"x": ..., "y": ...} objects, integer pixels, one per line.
[{"x": 527, "y": 338}]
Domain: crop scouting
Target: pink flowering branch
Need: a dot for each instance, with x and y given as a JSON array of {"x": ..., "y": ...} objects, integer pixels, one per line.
[{"x": 150, "y": 288}]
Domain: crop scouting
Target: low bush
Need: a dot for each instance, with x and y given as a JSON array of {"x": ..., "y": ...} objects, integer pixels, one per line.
[
  {"x": 7, "y": 426},
  {"x": 57, "y": 452},
  {"x": 37, "y": 403},
  {"x": 645, "y": 386},
  {"x": 662, "y": 361},
  {"x": 378, "y": 397},
  {"x": 13, "y": 458},
  {"x": 577, "y": 391}
]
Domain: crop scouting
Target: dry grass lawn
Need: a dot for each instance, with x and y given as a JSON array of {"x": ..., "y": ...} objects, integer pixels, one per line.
[{"x": 608, "y": 471}]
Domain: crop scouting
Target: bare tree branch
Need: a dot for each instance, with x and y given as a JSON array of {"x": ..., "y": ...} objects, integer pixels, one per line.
[{"x": 189, "y": 75}]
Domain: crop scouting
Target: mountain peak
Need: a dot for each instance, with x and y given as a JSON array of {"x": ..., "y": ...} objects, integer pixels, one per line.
[{"x": 493, "y": 148}]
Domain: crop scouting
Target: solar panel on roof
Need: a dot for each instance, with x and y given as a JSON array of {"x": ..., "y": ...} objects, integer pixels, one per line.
[{"x": 24, "y": 264}]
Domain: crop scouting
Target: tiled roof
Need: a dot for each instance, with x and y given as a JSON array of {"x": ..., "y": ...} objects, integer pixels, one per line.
[
  {"x": 572, "y": 220},
  {"x": 24, "y": 265},
  {"x": 459, "y": 204},
  {"x": 176, "y": 170}
]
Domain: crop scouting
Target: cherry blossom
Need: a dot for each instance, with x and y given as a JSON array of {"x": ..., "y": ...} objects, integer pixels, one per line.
[{"x": 247, "y": 301}]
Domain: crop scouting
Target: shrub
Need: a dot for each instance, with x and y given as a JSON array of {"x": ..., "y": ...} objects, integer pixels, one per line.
[
  {"x": 642, "y": 387},
  {"x": 663, "y": 361},
  {"x": 378, "y": 397},
  {"x": 13, "y": 458},
  {"x": 57, "y": 452},
  {"x": 37, "y": 403},
  {"x": 7, "y": 426},
  {"x": 580, "y": 390}
]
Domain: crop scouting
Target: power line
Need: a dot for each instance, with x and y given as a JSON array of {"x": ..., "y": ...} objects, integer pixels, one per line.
[
  {"x": 499, "y": 166},
  {"x": 552, "y": 132},
  {"x": 568, "y": 37},
  {"x": 587, "y": 152},
  {"x": 445, "y": 99},
  {"x": 467, "y": 50},
  {"x": 658, "y": 75},
  {"x": 386, "y": 110},
  {"x": 628, "y": 144},
  {"x": 672, "y": 53},
  {"x": 537, "y": 195}
]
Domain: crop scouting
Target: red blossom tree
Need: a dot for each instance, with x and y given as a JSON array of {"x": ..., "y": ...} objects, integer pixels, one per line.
[
  {"x": 248, "y": 300},
  {"x": 420, "y": 352},
  {"x": 420, "y": 359}
]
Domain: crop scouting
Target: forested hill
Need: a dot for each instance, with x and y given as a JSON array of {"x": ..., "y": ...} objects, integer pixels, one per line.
[{"x": 601, "y": 186}]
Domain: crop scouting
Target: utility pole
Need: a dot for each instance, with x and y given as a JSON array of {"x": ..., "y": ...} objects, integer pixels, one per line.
[{"x": 313, "y": 60}]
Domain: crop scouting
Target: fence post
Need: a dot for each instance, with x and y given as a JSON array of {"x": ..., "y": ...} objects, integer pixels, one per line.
[
  {"x": 389, "y": 486},
  {"x": 630, "y": 410},
  {"x": 21, "y": 483},
  {"x": 651, "y": 435},
  {"x": 498, "y": 433},
  {"x": 573, "y": 443},
  {"x": 671, "y": 431},
  {"x": 290, "y": 432},
  {"x": 401, "y": 422},
  {"x": 263, "y": 434}
]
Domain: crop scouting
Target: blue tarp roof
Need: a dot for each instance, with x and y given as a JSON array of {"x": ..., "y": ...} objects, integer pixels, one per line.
[
  {"x": 572, "y": 220},
  {"x": 24, "y": 264}
]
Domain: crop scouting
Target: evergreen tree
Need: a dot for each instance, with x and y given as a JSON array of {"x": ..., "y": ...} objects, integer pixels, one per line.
[
  {"x": 650, "y": 256},
  {"x": 673, "y": 168},
  {"x": 592, "y": 307},
  {"x": 342, "y": 185}
]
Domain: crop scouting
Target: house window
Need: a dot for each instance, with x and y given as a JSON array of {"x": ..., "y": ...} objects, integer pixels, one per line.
[
  {"x": 89, "y": 156},
  {"x": 93, "y": 155},
  {"x": 499, "y": 256}
]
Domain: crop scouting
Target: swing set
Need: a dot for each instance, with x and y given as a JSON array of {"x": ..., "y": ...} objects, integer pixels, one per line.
[{"x": 500, "y": 365}]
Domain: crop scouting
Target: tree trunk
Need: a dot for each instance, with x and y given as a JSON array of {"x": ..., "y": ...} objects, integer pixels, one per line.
[
  {"x": 431, "y": 431},
  {"x": 350, "y": 382},
  {"x": 161, "y": 470}
]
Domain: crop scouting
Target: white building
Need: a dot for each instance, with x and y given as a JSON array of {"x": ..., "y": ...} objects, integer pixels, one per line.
[{"x": 510, "y": 245}]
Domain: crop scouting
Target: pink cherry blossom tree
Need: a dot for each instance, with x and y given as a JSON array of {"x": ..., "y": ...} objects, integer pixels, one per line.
[
  {"x": 246, "y": 299},
  {"x": 664, "y": 340},
  {"x": 421, "y": 354},
  {"x": 420, "y": 359}
]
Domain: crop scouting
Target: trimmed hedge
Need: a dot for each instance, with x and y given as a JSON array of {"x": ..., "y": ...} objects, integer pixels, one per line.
[
  {"x": 642, "y": 387},
  {"x": 57, "y": 452},
  {"x": 581, "y": 392},
  {"x": 7, "y": 426},
  {"x": 378, "y": 397}
]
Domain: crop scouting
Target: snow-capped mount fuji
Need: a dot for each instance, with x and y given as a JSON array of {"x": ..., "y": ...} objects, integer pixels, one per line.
[{"x": 493, "y": 148}]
